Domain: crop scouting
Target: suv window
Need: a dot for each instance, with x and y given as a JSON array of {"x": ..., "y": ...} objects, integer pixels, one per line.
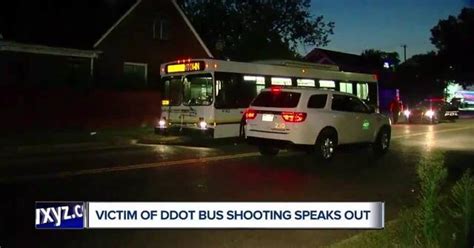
[
  {"x": 348, "y": 104},
  {"x": 282, "y": 99},
  {"x": 358, "y": 105},
  {"x": 317, "y": 101}
]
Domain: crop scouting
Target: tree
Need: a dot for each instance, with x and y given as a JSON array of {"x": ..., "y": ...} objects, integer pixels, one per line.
[
  {"x": 248, "y": 30},
  {"x": 377, "y": 59},
  {"x": 383, "y": 64},
  {"x": 421, "y": 76},
  {"x": 454, "y": 38}
]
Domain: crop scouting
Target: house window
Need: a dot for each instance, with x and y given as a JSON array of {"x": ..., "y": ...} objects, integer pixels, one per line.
[
  {"x": 135, "y": 72},
  {"x": 161, "y": 29}
]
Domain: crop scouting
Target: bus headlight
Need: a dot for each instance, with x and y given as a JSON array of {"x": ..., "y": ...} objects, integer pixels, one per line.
[
  {"x": 202, "y": 124},
  {"x": 162, "y": 123},
  {"x": 407, "y": 113},
  {"x": 430, "y": 113}
]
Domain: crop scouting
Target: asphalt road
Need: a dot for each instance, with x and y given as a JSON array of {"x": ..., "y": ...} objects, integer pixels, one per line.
[{"x": 232, "y": 172}]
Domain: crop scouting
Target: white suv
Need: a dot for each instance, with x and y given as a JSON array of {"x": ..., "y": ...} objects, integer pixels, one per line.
[{"x": 318, "y": 119}]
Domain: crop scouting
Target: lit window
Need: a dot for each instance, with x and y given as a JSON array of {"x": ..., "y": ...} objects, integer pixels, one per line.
[
  {"x": 327, "y": 84},
  {"x": 281, "y": 81},
  {"x": 345, "y": 87},
  {"x": 306, "y": 82},
  {"x": 259, "y": 81},
  {"x": 363, "y": 91}
]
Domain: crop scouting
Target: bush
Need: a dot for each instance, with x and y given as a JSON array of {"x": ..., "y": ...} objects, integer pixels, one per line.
[
  {"x": 432, "y": 174},
  {"x": 462, "y": 209}
]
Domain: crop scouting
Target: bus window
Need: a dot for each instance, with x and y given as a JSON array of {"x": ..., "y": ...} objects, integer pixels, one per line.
[
  {"x": 259, "y": 81},
  {"x": 281, "y": 81},
  {"x": 235, "y": 90},
  {"x": 197, "y": 89},
  {"x": 345, "y": 87},
  {"x": 305, "y": 82},
  {"x": 173, "y": 88},
  {"x": 327, "y": 84},
  {"x": 363, "y": 91}
]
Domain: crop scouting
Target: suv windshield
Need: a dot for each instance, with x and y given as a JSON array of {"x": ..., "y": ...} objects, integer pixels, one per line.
[
  {"x": 188, "y": 90},
  {"x": 281, "y": 99}
]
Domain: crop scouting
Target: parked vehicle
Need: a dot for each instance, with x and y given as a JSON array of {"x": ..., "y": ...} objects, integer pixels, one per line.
[{"x": 316, "y": 119}]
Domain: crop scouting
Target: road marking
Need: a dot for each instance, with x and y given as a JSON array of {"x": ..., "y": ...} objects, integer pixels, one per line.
[
  {"x": 125, "y": 168},
  {"x": 427, "y": 132}
]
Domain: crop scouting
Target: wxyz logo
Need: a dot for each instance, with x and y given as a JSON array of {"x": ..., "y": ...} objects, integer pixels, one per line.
[{"x": 57, "y": 214}]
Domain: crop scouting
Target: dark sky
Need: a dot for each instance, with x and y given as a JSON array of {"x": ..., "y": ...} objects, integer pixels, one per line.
[
  {"x": 64, "y": 23},
  {"x": 384, "y": 24}
]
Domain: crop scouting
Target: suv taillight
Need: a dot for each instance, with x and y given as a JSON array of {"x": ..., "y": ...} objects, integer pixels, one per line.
[
  {"x": 293, "y": 116},
  {"x": 250, "y": 114}
]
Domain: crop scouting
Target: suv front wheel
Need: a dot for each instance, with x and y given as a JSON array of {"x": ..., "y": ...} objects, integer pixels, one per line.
[{"x": 382, "y": 142}]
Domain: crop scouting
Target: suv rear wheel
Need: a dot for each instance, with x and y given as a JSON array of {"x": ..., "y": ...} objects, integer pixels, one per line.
[
  {"x": 326, "y": 144},
  {"x": 268, "y": 150}
]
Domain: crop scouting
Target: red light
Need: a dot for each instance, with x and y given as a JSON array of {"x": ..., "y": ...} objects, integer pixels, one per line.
[
  {"x": 250, "y": 114},
  {"x": 293, "y": 116},
  {"x": 276, "y": 89}
]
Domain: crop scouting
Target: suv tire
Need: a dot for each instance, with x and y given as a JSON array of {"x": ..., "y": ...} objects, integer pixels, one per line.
[
  {"x": 382, "y": 142},
  {"x": 326, "y": 144}
]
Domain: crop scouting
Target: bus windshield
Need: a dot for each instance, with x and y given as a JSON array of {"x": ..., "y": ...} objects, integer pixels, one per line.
[{"x": 191, "y": 90}]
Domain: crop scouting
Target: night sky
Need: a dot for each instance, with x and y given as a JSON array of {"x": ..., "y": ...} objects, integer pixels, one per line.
[
  {"x": 360, "y": 24},
  {"x": 385, "y": 24}
]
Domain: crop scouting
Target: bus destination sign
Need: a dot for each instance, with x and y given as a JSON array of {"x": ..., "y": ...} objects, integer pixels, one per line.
[{"x": 186, "y": 67}]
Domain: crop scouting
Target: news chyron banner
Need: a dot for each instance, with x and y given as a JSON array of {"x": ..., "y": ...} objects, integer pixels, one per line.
[{"x": 210, "y": 215}]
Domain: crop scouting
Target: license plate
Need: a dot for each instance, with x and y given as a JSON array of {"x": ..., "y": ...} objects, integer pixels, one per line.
[
  {"x": 450, "y": 113},
  {"x": 267, "y": 117}
]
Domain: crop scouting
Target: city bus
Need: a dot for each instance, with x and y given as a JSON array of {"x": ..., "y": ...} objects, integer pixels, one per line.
[{"x": 210, "y": 96}]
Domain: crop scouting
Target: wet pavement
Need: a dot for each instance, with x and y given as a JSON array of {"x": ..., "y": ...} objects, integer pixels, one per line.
[{"x": 230, "y": 172}]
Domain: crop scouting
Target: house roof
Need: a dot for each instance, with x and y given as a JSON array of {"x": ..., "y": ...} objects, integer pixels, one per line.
[
  {"x": 346, "y": 61},
  {"x": 78, "y": 24},
  {"x": 75, "y": 23},
  {"x": 40, "y": 49}
]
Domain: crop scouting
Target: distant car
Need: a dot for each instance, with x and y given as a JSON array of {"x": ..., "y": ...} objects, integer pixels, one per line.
[
  {"x": 432, "y": 111},
  {"x": 315, "y": 119}
]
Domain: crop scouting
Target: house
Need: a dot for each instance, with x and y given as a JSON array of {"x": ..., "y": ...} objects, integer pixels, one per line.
[
  {"x": 149, "y": 33},
  {"x": 345, "y": 61},
  {"x": 127, "y": 52},
  {"x": 62, "y": 61}
]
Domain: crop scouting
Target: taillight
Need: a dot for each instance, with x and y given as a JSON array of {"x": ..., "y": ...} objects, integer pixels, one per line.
[
  {"x": 250, "y": 114},
  {"x": 275, "y": 89},
  {"x": 293, "y": 116}
]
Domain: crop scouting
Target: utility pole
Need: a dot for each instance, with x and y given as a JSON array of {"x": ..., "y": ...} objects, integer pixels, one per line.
[{"x": 404, "y": 52}]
